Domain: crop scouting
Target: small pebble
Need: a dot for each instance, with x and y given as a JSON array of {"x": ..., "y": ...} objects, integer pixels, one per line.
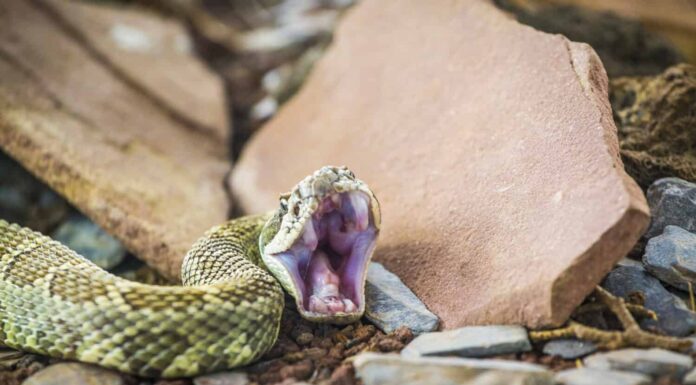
[
  {"x": 569, "y": 349},
  {"x": 389, "y": 345},
  {"x": 315, "y": 353},
  {"x": 300, "y": 371},
  {"x": 304, "y": 339},
  {"x": 224, "y": 378}
]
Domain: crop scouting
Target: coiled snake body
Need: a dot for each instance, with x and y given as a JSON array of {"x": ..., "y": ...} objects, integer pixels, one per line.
[{"x": 316, "y": 245}]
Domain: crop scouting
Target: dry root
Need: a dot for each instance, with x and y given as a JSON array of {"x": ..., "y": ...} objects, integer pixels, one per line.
[{"x": 631, "y": 336}]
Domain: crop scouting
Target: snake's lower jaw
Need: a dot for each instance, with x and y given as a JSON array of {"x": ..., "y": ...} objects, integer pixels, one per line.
[{"x": 328, "y": 262}]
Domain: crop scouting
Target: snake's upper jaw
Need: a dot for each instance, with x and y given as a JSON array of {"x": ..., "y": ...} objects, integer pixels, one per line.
[{"x": 324, "y": 245}]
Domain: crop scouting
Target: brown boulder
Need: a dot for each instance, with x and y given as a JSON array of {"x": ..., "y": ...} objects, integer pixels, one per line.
[
  {"x": 490, "y": 145},
  {"x": 143, "y": 175},
  {"x": 150, "y": 53}
]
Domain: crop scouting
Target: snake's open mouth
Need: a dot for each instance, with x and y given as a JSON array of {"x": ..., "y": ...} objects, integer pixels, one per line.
[{"x": 328, "y": 261}]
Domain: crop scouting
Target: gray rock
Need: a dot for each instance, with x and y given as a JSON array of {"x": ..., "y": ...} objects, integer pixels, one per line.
[
  {"x": 390, "y": 304},
  {"x": 90, "y": 241},
  {"x": 472, "y": 341},
  {"x": 392, "y": 369},
  {"x": 672, "y": 202},
  {"x": 693, "y": 346},
  {"x": 653, "y": 362},
  {"x": 224, "y": 378},
  {"x": 629, "y": 262},
  {"x": 673, "y": 316},
  {"x": 569, "y": 349},
  {"x": 25, "y": 200},
  {"x": 690, "y": 378},
  {"x": 74, "y": 373},
  {"x": 671, "y": 257},
  {"x": 585, "y": 376}
]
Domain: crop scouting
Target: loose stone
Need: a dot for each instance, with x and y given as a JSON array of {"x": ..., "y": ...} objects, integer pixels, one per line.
[
  {"x": 304, "y": 338},
  {"x": 392, "y": 369},
  {"x": 569, "y": 349},
  {"x": 224, "y": 378},
  {"x": 671, "y": 257},
  {"x": 586, "y": 376},
  {"x": 690, "y": 378},
  {"x": 653, "y": 362},
  {"x": 25, "y": 200},
  {"x": 672, "y": 202},
  {"x": 390, "y": 304},
  {"x": 473, "y": 341},
  {"x": 674, "y": 318},
  {"x": 74, "y": 374},
  {"x": 90, "y": 241}
]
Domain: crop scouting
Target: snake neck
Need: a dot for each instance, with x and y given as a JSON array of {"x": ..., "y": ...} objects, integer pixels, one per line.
[{"x": 228, "y": 250}]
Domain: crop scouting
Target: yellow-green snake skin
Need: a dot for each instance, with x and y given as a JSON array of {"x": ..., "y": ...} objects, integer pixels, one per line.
[{"x": 55, "y": 302}]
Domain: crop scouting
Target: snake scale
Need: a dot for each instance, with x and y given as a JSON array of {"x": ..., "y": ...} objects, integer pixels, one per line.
[{"x": 316, "y": 246}]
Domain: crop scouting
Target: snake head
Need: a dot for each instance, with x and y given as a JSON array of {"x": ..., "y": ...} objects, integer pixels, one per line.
[{"x": 320, "y": 241}]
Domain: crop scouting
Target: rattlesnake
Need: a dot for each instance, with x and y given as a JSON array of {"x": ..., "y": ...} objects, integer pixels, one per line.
[{"x": 316, "y": 245}]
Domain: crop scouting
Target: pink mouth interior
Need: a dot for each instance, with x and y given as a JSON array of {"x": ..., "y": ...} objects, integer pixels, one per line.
[{"x": 328, "y": 262}]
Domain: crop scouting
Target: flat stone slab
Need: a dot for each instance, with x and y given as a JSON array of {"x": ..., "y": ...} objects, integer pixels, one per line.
[
  {"x": 586, "y": 376},
  {"x": 392, "y": 369},
  {"x": 569, "y": 349},
  {"x": 149, "y": 179},
  {"x": 652, "y": 362},
  {"x": 490, "y": 145},
  {"x": 671, "y": 257},
  {"x": 389, "y": 304},
  {"x": 472, "y": 341}
]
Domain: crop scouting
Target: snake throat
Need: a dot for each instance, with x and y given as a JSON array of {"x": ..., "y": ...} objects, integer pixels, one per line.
[{"x": 328, "y": 261}]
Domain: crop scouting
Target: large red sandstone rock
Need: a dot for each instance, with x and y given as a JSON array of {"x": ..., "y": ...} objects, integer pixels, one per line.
[
  {"x": 120, "y": 156},
  {"x": 490, "y": 145},
  {"x": 153, "y": 54}
]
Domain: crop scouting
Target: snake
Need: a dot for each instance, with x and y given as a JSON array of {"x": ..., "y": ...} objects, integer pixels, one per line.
[{"x": 227, "y": 311}]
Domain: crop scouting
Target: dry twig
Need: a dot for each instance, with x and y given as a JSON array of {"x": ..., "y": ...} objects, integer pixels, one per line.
[{"x": 631, "y": 336}]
